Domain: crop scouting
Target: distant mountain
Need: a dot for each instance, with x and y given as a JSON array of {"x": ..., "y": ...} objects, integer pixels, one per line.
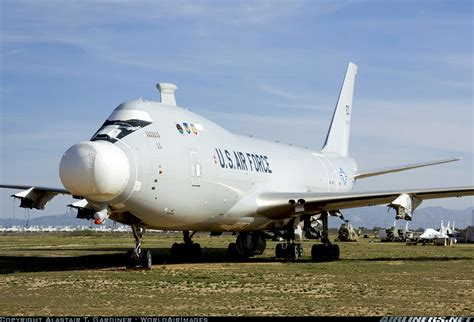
[{"x": 368, "y": 217}]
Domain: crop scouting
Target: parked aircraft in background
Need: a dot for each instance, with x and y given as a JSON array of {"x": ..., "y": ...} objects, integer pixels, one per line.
[
  {"x": 444, "y": 232},
  {"x": 156, "y": 165},
  {"x": 346, "y": 233}
]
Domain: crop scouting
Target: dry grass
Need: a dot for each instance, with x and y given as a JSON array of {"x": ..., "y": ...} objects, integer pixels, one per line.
[{"x": 61, "y": 274}]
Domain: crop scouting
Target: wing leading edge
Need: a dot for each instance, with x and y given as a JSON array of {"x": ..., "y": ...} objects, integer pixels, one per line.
[
  {"x": 280, "y": 205},
  {"x": 46, "y": 189},
  {"x": 378, "y": 172}
]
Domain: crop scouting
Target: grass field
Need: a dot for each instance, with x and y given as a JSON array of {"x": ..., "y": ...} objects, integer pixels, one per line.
[{"x": 67, "y": 274}]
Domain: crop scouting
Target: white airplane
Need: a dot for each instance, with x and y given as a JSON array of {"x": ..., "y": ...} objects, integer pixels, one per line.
[
  {"x": 443, "y": 232},
  {"x": 156, "y": 165}
]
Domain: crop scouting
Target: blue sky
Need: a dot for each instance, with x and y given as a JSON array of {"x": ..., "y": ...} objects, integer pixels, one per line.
[{"x": 268, "y": 68}]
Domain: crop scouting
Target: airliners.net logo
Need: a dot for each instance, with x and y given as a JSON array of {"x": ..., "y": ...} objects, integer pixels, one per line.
[{"x": 425, "y": 319}]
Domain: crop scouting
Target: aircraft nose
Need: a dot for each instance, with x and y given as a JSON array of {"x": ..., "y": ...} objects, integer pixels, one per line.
[{"x": 96, "y": 170}]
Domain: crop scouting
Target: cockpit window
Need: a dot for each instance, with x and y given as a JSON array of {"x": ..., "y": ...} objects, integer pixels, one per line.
[{"x": 113, "y": 130}]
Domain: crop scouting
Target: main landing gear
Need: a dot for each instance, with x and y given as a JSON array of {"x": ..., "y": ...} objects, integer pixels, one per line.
[
  {"x": 187, "y": 250},
  {"x": 138, "y": 256},
  {"x": 325, "y": 251},
  {"x": 248, "y": 244},
  {"x": 290, "y": 249}
]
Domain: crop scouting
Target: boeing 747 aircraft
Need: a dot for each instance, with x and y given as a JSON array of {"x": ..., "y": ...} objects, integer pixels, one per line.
[{"x": 156, "y": 165}]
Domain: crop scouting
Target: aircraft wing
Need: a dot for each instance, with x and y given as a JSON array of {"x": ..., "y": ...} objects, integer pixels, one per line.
[
  {"x": 46, "y": 189},
  {"x": 378, "y": 172},
  {"x": 34, "y": 197},
  {"x": 281, "y": 205}
]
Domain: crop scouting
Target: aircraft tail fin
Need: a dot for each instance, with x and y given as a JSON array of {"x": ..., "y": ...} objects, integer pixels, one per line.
[{"x": 337, "y": 139}]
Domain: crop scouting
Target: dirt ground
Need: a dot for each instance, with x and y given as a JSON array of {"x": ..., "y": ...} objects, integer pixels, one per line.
[{"x": 69, "y": 274}]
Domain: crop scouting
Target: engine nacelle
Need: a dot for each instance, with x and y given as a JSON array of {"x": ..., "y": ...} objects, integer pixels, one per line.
[
  {"x": 33, "y": 198},
  {"x": 405, "y": 204},
  {"x": 87, "y": 211}
]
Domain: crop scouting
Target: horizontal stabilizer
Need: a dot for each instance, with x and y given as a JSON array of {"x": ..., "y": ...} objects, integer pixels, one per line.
[{"x": 380, "y": 171}]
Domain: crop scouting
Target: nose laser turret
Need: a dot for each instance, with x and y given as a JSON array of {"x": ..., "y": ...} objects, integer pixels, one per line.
[{"x": 97, "y": 170}]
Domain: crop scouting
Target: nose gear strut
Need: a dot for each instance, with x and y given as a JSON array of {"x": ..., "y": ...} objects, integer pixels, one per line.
[{"x": 138, "y": 256}]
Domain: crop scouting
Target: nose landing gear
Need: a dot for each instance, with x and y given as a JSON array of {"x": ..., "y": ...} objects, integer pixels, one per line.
[{"x": 138, "y": 256}]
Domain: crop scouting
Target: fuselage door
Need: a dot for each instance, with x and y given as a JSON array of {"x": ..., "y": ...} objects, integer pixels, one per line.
[{"x": 195, "y": 169}]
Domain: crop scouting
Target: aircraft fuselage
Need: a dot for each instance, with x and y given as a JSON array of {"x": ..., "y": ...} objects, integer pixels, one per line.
[{"x": 186, "y": 172}]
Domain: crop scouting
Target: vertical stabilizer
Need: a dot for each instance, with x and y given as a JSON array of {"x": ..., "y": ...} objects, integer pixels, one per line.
[{"x": 337, "y": 139}]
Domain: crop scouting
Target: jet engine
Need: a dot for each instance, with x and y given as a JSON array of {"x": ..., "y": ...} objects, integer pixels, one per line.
[{"x": 405, "y": 205}]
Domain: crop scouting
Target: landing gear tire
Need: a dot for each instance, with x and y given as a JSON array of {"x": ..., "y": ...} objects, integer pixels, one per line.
[
  {"x": 317, "y": 253},
  {"x": 176, "y": 249},
  {"x": 289, "y": 250},
  {"x": 232, "y": 251},
  {"x": 186, "y": 251},
  {"x": 138, "y": 256},
  {"x": 279, "y": 251},
  {"x": 195, "y": 251},
  {"x": 146, "y": 259},
  {"x": 250, "y": 244},
  {"x": 296, "y": 250},
  {"x": 130, "y": 261},
  {"x": 335, "y": 253},
  {"x": 325, "y": 252}
]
